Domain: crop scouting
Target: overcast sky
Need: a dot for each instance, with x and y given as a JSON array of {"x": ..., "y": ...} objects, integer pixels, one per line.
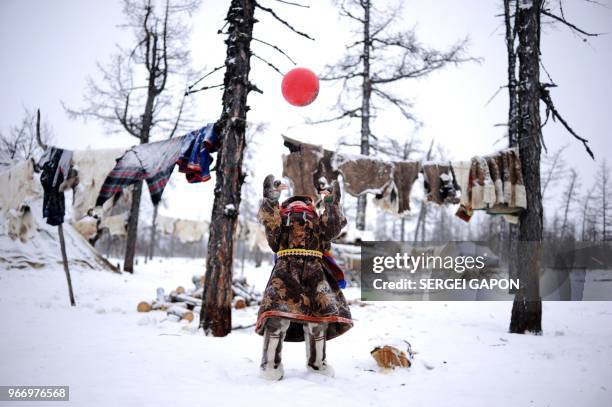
[{"x": 49, "y": 48}]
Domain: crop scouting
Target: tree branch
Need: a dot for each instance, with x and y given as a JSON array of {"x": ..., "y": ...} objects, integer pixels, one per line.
[
  {"x": 164, "y": 72},
  {"x": 38, "y": 138},
  {"x": 348, "y": 113},
  {"x": 545, "y": 96},
  {"x": 567, "y": 23},
  {"x": 284, "y": 22},
  {"x": 178, "y": 116},
  {"x": 189, "y": 92},
  {"x": 205, "y": 76},
  {"x": 276, "y": 48},
  {"x": 402, "y": 105},
  {"x": 270, "y": 64},
  {"x": 346, "y": 13},
  {"x": 293, "y": 4}
]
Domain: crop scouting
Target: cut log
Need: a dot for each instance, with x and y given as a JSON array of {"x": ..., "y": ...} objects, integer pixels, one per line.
[
  {"x": 180, "y": 312},
  {"x": 198, "y": 281},
  {"x": 185, "y": 303},
  {"x": 144, "y": 306},
  {"x": 160, "y": 302},
  {"x": 174, "y": 297},
  {"x": 161, "y": 296},
  {"x": 239, "y": 303}
]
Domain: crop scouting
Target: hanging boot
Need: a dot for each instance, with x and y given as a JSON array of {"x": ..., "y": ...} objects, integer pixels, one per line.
[
  {"x": 271, "y": 366},
  {"x": 314, "y": 336}
]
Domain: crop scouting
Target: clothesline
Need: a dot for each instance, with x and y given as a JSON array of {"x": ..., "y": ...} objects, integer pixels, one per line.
[
  {"x": 153, "y": 162},
  {"x": 493, "y": 182}
]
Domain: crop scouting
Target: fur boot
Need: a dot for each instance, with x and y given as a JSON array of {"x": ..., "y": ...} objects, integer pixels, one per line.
[
  {"x": 314, "y": 335},
  {"x": 271, "y": 365}
]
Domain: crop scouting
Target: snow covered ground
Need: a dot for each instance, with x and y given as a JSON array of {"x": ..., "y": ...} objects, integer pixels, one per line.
[{"x": 111, "y": 355}]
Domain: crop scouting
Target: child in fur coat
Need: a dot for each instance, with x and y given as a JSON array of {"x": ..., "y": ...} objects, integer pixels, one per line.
[{"x": 302, "y": 301}]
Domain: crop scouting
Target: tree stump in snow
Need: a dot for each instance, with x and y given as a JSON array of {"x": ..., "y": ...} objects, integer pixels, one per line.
[
  {"x": 394, "y": 355},
  {"x": 389, "y": 357}
]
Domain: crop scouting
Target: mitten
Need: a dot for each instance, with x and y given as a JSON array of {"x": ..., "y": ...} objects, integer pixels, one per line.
[
  {"x": 271, "y": 190},
  {"x": 335, "y": 195}
]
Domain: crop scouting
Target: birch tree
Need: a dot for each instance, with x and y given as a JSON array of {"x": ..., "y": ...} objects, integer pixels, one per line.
[{"x": 376, "y": 62}]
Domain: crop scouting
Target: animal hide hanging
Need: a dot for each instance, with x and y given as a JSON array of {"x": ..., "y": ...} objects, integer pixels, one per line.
[
  {"x": 20, "y": 223},
  {"x": 512, "y": 199},
  {"x": 462, "y": 174},
  {"x": 483, "y": 190},
  {"x": 440, "y": 183},
  {"x": 301, "y": 165},
  {"x": 92, "y": 166},
  {"x": 404, "y": 175},
  {"x": 395, "y": 198},
  {"x": 388, "y": 200},
  {"x": 363, "y": 174},
  {"x": 116, "y": 224}
]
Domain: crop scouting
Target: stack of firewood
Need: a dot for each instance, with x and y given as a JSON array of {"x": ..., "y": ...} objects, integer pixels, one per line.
[{"x": 185, "y": 304}]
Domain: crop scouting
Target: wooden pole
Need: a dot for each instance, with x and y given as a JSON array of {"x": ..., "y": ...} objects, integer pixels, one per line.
[{"x": 60, "y": 229}]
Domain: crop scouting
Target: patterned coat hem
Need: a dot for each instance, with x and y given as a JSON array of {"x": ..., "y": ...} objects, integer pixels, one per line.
[{"x": 300, "y": 318}]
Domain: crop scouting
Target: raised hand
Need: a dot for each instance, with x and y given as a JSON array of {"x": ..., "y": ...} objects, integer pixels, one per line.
[
  {"x": 336, "y": 194},
  {"x": 272, "y": 188}
]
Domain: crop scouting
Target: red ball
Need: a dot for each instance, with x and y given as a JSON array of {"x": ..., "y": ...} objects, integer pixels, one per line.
[{"x": 300, "y": 87}]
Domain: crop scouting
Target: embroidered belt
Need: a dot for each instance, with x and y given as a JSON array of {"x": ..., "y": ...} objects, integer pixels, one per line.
[{"x": 299, "y": 252}]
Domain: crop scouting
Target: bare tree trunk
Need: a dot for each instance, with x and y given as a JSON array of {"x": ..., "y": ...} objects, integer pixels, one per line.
[
  {"x": 527, "y": 307},
  {"x": 603, "y": 185},
  {"x": 153, "y": 233},
  {"x": 132, "y": 228},
  {"x": 569, "y": 198},
  {"x": 513, "y": 108},
  {"x": 217, "y": 297},
  {"x": 157, "y": 53},
  {"x": 366, "y": 94},
  {"x": 585, "y": 211},
  {"x": 513, "y": 121}
]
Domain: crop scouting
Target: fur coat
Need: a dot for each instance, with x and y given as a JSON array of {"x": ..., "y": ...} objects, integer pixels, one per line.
[{"x": 300, "y": 288}]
